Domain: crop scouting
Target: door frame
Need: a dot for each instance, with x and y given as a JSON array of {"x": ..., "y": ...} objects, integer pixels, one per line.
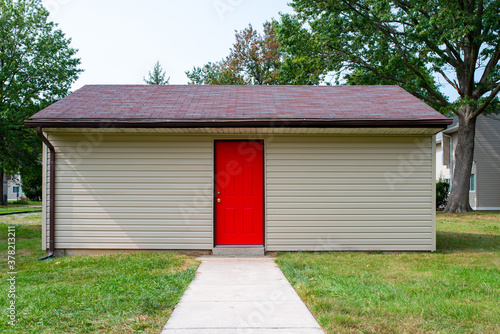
[{"x": 214, "y": 194}]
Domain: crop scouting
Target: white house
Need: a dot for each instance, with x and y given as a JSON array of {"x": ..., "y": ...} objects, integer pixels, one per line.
[{"x": 14, "y": 187}]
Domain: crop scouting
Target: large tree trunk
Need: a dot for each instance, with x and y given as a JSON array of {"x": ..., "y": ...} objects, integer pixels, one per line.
[{"x": 458, "y": 201}]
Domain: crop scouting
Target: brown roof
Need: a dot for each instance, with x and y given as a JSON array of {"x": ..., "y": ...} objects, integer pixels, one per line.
[{"x": 203, "y": 106}]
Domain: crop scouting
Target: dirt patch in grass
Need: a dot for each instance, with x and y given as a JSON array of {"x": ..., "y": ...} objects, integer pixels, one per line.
[{"x": 23, "y": 219}]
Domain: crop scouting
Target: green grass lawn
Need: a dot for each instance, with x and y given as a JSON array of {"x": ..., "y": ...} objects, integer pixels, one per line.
[
  {"x": 132, "y": 293},
  {"x": 454, "y": 290},
  {"x": 13, "y": 209},
  {"x": 20, "y": 206}
]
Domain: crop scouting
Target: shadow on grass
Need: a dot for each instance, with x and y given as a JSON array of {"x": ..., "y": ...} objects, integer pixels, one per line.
[{"x": 454, "y": 242}]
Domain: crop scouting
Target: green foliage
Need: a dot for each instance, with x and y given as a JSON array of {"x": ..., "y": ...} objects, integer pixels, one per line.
[
  {"x": 219, "y": 73},
  {"x": 157, "y": 76},
  {"x": 302, "y": 62},
  {"x": 31, "y": 180},
  {"x": 257, "y": 59},
  {"x": 442, "y": 191},
  {"x": 11, "y": 209},
  {"x": 37, "y": 68},
  {"x": 402, "y": 42},
  {"x": 253, "y": 59},
  {"x": 21, "y": 202},
  {"x": 408, "y": 43}
]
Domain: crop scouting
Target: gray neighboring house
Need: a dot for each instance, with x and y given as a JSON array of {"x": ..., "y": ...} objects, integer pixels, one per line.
[{"x": 485, "y": 179}]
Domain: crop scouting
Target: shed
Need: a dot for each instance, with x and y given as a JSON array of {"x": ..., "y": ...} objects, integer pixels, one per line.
[{"x": 274, "y": 168}]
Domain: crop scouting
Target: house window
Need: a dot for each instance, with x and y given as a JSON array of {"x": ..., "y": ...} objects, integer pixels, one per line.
[
  {"x": 15, "y": 190},
  {"x": 447, "y": 181},
  {"x": 472, "y": 186}
]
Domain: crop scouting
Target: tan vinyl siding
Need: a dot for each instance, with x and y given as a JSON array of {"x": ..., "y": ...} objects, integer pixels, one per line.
[
  {"x": 122, "y": 191},
  {"x": 350, "y": 193},
  {"x": 487, "y": 157},
  {"x": 323, "y": 192}
]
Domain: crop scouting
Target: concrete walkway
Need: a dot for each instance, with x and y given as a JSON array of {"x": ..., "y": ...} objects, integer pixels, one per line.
[{"x": 240, "y": 295}]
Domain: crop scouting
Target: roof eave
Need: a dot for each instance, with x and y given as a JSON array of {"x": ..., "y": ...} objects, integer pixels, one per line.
[
  {"x": 223, "y": 123},
  {"x": 451, "y": 130}
]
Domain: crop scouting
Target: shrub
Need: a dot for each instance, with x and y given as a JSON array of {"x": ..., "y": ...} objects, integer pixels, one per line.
[
  {"x": 442, "y": 191},
  {"x": 31, "y": 179},
  {"x": 22, "y": 201}
]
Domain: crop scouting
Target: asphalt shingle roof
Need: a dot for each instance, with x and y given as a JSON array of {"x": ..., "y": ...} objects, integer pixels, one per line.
[{"x": 199, "y": 103}]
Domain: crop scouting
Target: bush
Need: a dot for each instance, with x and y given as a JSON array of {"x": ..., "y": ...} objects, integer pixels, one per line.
[
  {"x": 31, "y": 180},
  {"x": 442, "y": 191},
  {"x": 22, "y": 201}
]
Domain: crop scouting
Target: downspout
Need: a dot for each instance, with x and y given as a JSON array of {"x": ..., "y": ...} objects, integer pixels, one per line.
[
  {"x": 450, "y": 149},
  {"x": 52, "y": 195}
]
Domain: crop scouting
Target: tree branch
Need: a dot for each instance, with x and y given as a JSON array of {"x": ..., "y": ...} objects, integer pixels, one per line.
[
  {"x": 374, "y": 70},
  {"x": 389, "y": 33},
  {"x": 472, "y": 69},
  {"x": 480, "y": 90},
  {"x": 452, "y": 83},
  {"x": 490, "y": 98},
  {"x": 453, "y": 55},
  {"x": 424, "y": 84}
]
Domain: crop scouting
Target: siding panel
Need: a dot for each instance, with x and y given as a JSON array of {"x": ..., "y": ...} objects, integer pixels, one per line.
[
  {"x": 124, "y": 191},
  {"x": 133, "y": 191},
  {"x": 349, "y": 193},
  {"x": 487, "y": 157}
]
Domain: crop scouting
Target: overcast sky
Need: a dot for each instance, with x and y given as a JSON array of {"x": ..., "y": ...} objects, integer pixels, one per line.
[{"x": 120, "y": 40}]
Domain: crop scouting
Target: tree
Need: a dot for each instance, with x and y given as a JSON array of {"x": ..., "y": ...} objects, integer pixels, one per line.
[
  {"x": 410, "y": 43},
  {"x": 37, "y": 68},
  {"x": 157, "y": 77},
  {"x": 31, "y": 181},
  {"x": 224, "y": 72},
  {"x": 254, "y": 59},
  {"x": 302, "y": 58},
  {"x": 31, "y": 168}
]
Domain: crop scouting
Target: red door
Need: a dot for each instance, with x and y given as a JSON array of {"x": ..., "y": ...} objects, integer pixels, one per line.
[{"x": 239, "y": 193}]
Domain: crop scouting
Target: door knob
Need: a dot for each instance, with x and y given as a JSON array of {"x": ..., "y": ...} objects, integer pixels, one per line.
[{"x": 218, "y": 200}]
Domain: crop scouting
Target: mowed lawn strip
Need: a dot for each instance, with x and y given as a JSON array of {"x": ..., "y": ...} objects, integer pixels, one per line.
[
  {"x": 121, "y": 293},
  {"x": 21, "y": 206},
  {"x": 454, "y": 290},
  {"x": 13, "y": 209}
]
